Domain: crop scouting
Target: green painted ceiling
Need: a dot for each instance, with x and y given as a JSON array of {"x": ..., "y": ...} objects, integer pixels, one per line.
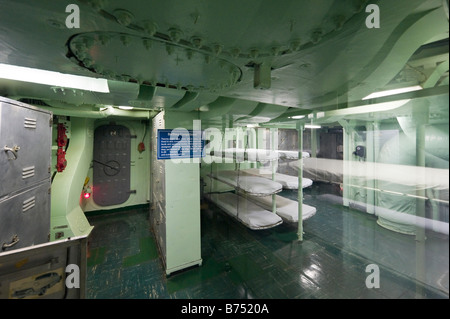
[{"x": 251, "y": 61}]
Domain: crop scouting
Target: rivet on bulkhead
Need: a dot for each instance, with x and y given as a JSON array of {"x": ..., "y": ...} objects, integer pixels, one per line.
[
  {"x": 275, "y": 50},
  {"x": 197, "y": 42},
  {"x": 254, "y": 53},
  {"x": 235, "y": 52},
  {"x": 147, "y": 43},
  {"x": 81, "y": 55},
  {"x": 175, "y": 34},
  {"x": 150, "y": 27},
  {"x": 217, "y": 48},
  {"x": 339, "y": 22},
  {"x": 104, "y": 39},
  {"x": 189, "y": 54},
  {"x": 222, "y": 64},
  {"x": 124, "y": 17},
  {"x": 316, "y": 36},
  {"x": 359, "y": 5},
  {"x": 98, "y": 4},
  {"x": 169, "y": 49},
  {"x": 98, "y": 69},
  {"x": 88, "y": 62},
  {"x": 126, "y": 40},
  {"x": 294, "y": 45}
]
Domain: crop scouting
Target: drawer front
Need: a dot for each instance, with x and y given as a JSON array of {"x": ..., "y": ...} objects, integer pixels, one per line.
[
  {"x": 25, "y": 218},
  {"x": 25, "y": 147}
]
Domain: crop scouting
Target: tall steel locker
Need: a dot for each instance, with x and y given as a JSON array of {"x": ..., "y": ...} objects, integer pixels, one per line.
[
  {"x": 25, "y": 175},
  {"x": 175, "y": 213}
]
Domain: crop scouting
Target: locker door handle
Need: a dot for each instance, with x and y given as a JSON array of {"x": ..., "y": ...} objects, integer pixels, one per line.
[
  {"x": 14, "y": 241},
  {"x": 13, "y": 150}
]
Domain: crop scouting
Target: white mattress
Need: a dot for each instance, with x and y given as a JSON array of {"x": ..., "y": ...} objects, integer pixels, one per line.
[
  {"x": 257, "y": 155},
  {"x": 251, "y": 215},
  {"x": 286, "y": 208},
  {"x": 250, "y": 154},
  {"x": 288, "y": 181},
  {"x": 291, "y": 155},
  {"x": 254, "y": 185}
]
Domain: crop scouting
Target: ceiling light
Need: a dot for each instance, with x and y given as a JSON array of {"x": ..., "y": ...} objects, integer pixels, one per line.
[
  {"x": 19, "y": 73},
  {"x": 125, "y": 107},
  {"x": 296, "y": 117},
  {"x": 393, "y": 92},
  {"x": 312, "y": 126}
]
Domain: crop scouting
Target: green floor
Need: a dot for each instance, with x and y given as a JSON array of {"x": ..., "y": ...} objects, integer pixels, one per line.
[{"x": 240, "y": 263}]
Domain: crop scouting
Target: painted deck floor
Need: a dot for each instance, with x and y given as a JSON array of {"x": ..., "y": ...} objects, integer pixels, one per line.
[{"x": 330, "y": 263}]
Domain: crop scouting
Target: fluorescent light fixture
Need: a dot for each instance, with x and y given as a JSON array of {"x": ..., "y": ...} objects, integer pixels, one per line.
[
  {"x": 19, "y": 73},
  {"x": 393, "y": 92},
  {"x": 296, "y": 117},
  {"x": 125, "y": 107},
  {"x": 312, "y": 126},
  {"x": 252, "y": 125}
]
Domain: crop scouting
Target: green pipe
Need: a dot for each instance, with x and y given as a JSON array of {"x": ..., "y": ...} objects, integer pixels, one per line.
[{"x": 109, "y": 112}]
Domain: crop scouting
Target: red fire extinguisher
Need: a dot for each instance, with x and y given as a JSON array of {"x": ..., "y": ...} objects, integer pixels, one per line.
[{"x": 61, "y": 140}]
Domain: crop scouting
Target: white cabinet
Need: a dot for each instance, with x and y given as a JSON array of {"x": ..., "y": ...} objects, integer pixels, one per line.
[{"x": 175, "y": 209}]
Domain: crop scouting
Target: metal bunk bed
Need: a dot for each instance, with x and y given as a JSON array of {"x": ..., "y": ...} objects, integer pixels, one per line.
[{"x": 237, "y": 204}]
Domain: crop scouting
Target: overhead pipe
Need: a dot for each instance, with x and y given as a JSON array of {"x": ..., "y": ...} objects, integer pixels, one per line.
[{"x": 108, "y": 112}]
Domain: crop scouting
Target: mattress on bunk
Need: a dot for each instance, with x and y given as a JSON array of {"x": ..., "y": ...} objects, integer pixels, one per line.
[
  {"x": 291, "y": 155},
  {"x": 324, "y": 169},
  {"x": 247, "y": 154},
  {"x": 255, "y": 185},
  {"x": 251, "y": 215},
  {"x": 288, "y": 181},
  {"x": 286, "y": 208}
]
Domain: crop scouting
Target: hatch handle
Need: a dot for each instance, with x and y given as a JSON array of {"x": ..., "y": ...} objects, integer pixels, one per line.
[
  {"x": 13, "y": 150},
  {"x": 14, "y": 241}
]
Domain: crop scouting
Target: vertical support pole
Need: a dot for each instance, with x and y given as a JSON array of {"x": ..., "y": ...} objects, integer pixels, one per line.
[
  {"x": 300, "y": 128},
  {"x": 421, "y": 119},
  {"x": 371, "y": 148},
  {"x": 314, "y": 143},
  {"x": 274, "y": 147},
  {"x": 346, "y": 162}
]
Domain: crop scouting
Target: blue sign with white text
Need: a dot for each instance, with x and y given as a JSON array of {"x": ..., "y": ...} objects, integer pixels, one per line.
[{"x": 179, "y": 143}]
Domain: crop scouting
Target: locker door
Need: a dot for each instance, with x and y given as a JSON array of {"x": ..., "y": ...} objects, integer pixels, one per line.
[
  {"x": 111, "y": 174},
  {"x": 25, "y": 146}
]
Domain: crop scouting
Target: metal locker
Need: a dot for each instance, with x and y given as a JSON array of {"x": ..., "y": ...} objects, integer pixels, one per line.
[
  {"x": 25, "y": 218},
  {"x": 25, "y": 145},
  {"x": 25, "y": 172}
]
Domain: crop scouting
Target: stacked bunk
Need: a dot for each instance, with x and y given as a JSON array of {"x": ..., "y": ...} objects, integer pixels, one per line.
[
  {"x": 255, "y": 190},
  {"x": 287, "y": 181},
  {"x": 246, "y": 212},
  {"x": 287, "y": 208},
  {"x": 237, "y": 204}
]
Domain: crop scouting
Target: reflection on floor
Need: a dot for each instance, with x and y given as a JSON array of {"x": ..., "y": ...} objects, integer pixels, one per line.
[{"x": 240, "y": 263}]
